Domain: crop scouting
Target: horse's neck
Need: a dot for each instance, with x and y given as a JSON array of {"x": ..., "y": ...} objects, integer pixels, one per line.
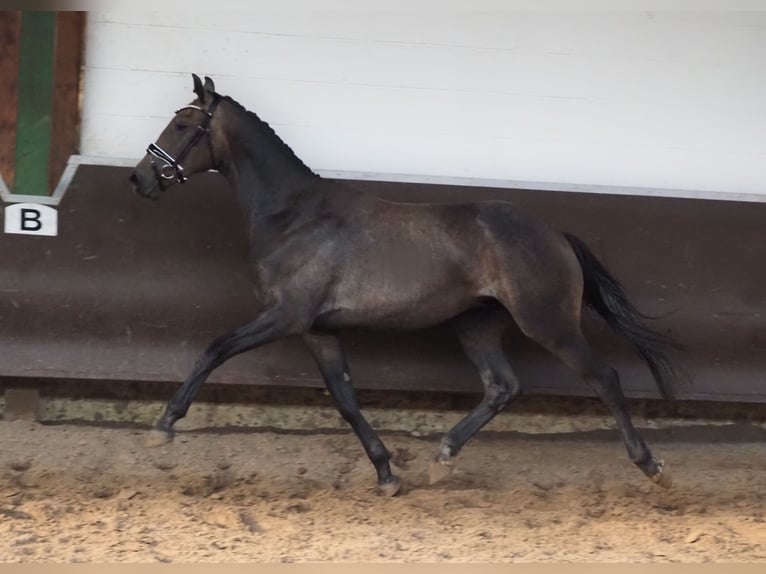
[
  {"x": 263, "y": 170},
  {"x": 274, "y": 188}
]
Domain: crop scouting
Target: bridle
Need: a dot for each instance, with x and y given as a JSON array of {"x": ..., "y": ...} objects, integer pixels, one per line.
[{"x": 171, "y": 168}]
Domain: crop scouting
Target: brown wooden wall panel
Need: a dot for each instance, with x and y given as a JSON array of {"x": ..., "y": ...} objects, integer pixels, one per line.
[
  {"x": 65, "y": 128},
  {"x": 133, "y": 290},
  {"x": 10, "y": 32}
]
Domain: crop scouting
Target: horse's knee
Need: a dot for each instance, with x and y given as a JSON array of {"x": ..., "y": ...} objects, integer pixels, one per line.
[
  {"x": 500, "y": 390},
  {"x": 499, "y": 396}
]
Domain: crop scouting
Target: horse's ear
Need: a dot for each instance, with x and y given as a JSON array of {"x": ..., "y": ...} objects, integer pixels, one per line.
[
  {"x": 198, "y": 89},
  {"x": 209, "y": 85}
]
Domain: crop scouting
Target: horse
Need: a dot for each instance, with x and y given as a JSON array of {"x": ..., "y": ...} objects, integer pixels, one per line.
[{"x": 326, "y": 258}]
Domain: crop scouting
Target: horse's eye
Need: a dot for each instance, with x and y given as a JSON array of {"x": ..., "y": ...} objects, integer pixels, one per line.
[{"x": 180, "y": 126}]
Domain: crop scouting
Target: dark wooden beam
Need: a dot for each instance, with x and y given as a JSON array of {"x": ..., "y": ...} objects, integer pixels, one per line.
[
  {"x": 67, "y": 68},
  {"x": 10, "y": 33}
]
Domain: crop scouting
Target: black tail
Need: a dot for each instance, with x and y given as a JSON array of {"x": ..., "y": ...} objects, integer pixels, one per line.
[{"x": 607, "y": 297}]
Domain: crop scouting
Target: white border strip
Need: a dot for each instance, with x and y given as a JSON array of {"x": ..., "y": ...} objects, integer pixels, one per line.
[
  {"x": 546, "y": 186},
  {"x": 75, "y": 161}
]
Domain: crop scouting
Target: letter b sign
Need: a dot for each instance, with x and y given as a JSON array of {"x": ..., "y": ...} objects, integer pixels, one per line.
[{"x": 31, "y": 219}]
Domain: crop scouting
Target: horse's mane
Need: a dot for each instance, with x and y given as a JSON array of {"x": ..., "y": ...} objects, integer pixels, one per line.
[{"x": 281, "y": 145}]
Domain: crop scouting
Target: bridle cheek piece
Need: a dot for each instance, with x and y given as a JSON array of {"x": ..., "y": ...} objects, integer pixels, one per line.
[{"x": 169, "y": 168}]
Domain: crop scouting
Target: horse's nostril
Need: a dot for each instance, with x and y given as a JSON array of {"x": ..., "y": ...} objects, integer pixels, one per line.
[{"x": 133, "y": 178}]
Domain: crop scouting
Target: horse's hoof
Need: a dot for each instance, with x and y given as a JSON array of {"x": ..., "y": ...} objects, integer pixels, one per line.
[
  {"x": 664, "y": 477},
  {"x": 391, "y": 487},
  {"x": 157, "y": 437},
  {"x": 439, "y": 470}
]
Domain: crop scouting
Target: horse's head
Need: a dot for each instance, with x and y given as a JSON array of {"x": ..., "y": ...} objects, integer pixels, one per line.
[{"x": 184, "y": 147}]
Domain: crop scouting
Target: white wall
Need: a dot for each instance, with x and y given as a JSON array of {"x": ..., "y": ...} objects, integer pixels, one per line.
[{"x": 675, "y": 101}]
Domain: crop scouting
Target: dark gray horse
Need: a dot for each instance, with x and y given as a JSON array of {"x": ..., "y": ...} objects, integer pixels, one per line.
[{"x": 325, "y": 258}]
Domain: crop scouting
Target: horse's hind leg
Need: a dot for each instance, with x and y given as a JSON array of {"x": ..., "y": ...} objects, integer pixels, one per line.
[
  {"x": 332, "y": 363},
  {"x": 542, "y": 287},
  {"x": 575, "y": 351},
  {"x": 481, "y": 334}
]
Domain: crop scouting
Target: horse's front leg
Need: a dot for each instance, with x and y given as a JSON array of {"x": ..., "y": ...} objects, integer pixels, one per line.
[
  {"x": 270, "y": 325},
  {"x": 332, "y": 363}
]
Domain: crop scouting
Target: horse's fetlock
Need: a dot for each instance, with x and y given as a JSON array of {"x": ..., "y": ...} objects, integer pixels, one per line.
[{"x": 446, "y": 450}]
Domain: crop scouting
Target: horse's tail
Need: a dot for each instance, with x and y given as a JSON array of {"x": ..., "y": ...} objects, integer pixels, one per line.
[{"x": 603, "y": 293}]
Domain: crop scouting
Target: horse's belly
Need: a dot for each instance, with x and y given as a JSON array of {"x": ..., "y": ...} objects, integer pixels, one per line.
[{"x": 383, "y": 308}]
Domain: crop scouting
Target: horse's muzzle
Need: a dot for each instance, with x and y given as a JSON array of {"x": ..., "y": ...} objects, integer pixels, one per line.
[{"x": 151, "y": 191}]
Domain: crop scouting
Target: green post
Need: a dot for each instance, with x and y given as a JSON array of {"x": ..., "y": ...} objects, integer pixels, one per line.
[{"x": 33, "y": 135}]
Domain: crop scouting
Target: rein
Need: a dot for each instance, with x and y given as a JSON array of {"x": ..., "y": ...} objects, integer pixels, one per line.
[{"x": 170, "y": 167}]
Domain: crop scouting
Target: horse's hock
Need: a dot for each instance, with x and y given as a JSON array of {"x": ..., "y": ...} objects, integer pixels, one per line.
[{"x": 132, "y": 291}]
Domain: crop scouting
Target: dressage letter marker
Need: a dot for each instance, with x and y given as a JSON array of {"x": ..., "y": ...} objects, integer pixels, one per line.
[{"x": 31, "y": 219}]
